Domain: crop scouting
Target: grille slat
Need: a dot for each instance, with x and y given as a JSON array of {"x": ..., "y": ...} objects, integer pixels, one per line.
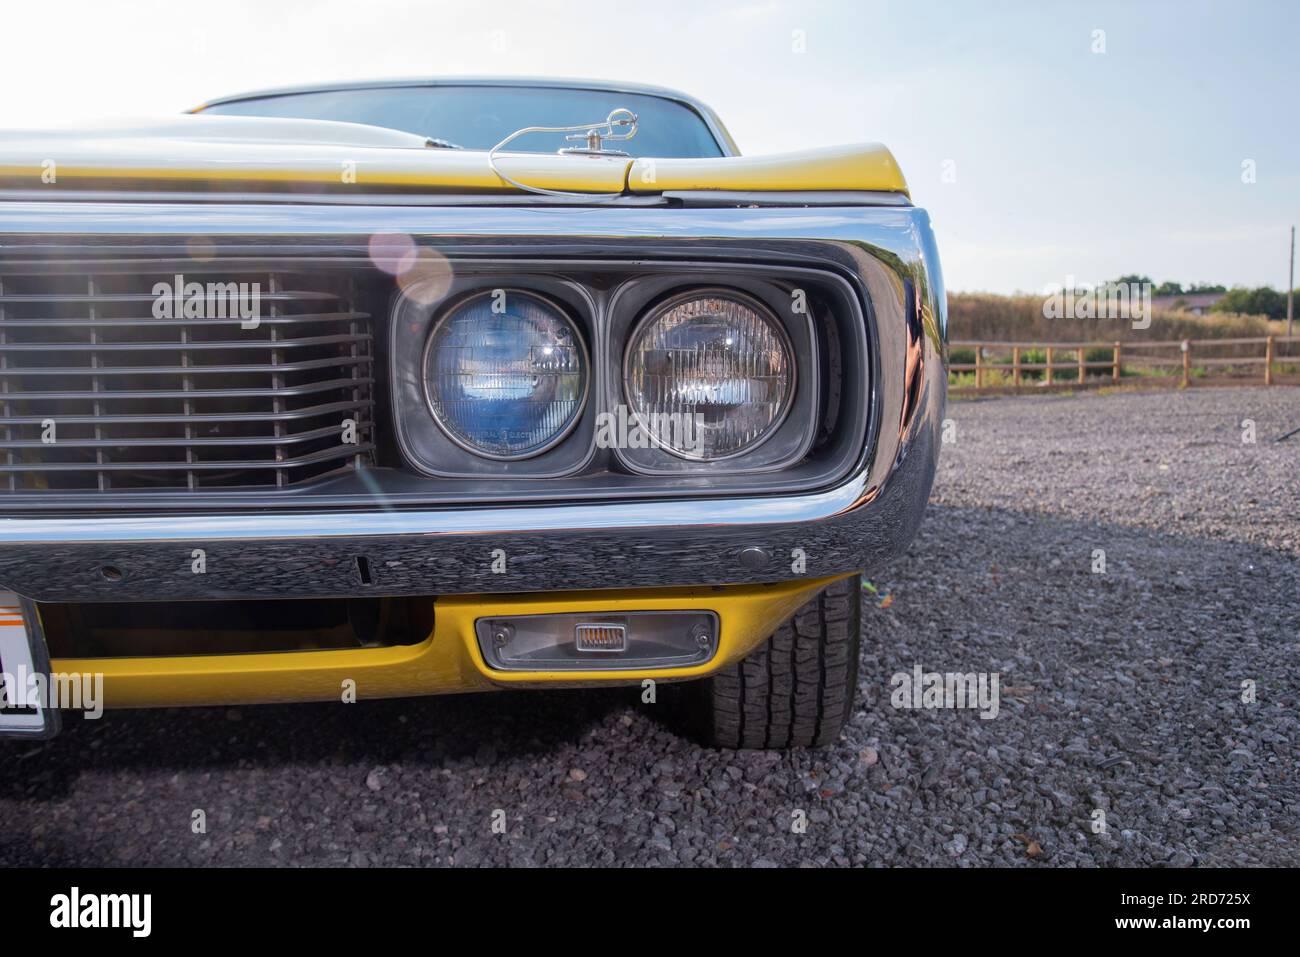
[
  {"x": 197, "y": 393},
  {"x": 98, "y": 371},
  {"x": 4, "y": 385},
  {"x": 277, "y": 382},
  {"x": 297, "y": 295},
  {"x": 250, "y": 464},
  {"x": 191, "y": 480},
  {"x": 101, "y": 474},
  {"x": 109, "y": 420},
  {"x": 99, "y": 442},
  {"x": 129, "y": 322},
  {"x": 172, "y": 346},
  {"x": 98, "y": 394}
]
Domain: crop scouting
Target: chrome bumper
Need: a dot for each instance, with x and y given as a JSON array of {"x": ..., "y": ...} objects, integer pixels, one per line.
[
  {"x": 860, "y": 523},
  {"x": 493, "y": 550}
]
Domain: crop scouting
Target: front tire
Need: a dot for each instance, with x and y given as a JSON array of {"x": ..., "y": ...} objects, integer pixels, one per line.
[{"x": 794, "y": 690}]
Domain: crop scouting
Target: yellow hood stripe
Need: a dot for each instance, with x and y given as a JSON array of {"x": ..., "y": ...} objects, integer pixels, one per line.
[
  {"x": 27, "y": 162},
  {"x": 866, "y": 166},
  {"x": 274, "y": 166}
]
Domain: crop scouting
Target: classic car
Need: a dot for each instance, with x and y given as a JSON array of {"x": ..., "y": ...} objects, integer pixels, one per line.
[{"x": 460, "y": 384}]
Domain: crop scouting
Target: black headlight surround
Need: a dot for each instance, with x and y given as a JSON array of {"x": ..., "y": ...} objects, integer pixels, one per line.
[
  {"x": 449, "y": 430},
  {"x": 432, "y": 449},
  {"x": 657, "y": 311},
  {"x": 605, "y": 297},
  {"x": 641, "y": 299}
]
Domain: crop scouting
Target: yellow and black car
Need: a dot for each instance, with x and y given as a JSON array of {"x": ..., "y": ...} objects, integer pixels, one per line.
[{"x": 427, "y": 386}]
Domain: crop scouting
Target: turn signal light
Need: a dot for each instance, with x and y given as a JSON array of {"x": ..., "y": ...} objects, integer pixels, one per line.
[{"x": 592, "y": 642}]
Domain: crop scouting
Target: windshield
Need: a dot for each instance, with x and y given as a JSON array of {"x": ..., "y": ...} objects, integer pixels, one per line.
[{"x": 479, "y": 117}]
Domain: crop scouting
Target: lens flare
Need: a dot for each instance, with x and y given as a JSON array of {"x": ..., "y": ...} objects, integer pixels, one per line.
[
  {"x": 427, "y": 278},
  {"x": 394, "y": 253}
]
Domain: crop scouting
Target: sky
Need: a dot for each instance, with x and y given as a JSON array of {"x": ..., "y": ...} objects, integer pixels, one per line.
[{"x": 1049, "y": 140}]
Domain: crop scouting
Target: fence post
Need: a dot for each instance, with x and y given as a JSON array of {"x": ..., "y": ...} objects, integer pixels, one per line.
[
  {"x": 1187, "y": 363},
  {"x": 1268, "y": 361},
  {"x": 979, "y": 367},
  {"x": 1083, "y": 371},
  {"x": 1115, "y": 369},
  {"x": 1015, "y": 366},
  {"x": 1049, "y": 365}
]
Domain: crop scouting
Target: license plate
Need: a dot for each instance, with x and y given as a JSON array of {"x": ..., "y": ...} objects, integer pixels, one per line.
[{"x": 23, "y": 713}]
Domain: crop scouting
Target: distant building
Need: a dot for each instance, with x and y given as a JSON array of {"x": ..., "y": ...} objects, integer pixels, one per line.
[{"x": 1197, "y": 303}]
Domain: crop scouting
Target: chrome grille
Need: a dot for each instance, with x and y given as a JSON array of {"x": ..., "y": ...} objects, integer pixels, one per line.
[{"x": 101, "y": 391}]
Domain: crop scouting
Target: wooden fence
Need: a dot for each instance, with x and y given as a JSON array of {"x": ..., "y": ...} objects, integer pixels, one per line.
[{"x": 1007, "y": 365}]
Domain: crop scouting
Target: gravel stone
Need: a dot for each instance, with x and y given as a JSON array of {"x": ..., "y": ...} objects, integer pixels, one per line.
[{"x": 1121, "y": 692}]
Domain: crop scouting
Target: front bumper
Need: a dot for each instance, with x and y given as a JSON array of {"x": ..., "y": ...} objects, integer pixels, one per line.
[
  {"x": 447, "y": 661},
  {"x": 394, "y": 548},
  {"x": 851, "y": 528}
]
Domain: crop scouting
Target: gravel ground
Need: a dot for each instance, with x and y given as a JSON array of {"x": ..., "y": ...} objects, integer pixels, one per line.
[{"x": 1121, "y": 692}]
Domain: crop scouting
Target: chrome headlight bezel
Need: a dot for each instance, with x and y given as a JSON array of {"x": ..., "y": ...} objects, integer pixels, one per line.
[
  {"x": 424, "y": 444},
  {"x": 451, "y": 311}
]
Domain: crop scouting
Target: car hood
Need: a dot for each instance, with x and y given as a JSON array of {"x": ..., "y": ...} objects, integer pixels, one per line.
[{"x": 261, "y": 154}]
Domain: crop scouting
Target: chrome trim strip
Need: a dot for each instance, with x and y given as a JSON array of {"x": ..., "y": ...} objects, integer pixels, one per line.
[
  {"x": 811, "y": 197},
  {"x": 889, "y": 227},
  {"x": 321, "y": 199},
  {"x": 710, "y": 198},
  {"x": 691, "y": 513}
]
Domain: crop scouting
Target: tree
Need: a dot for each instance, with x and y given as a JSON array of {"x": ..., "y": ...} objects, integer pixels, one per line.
[
  {"x": 1168, "y": 288},
  {"x": 1261, "y": 301}
]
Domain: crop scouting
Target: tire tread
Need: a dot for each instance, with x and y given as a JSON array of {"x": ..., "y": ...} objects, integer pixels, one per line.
[{"x": 796, "y": 689}]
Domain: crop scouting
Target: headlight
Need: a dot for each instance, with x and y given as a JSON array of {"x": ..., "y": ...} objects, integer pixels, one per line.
[
  {"x": 709, "y": 374},
  {"x": 505, "y": 374}
]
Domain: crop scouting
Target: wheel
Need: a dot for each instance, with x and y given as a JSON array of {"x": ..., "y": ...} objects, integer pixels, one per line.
[{"x": 794, "y": 690}]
